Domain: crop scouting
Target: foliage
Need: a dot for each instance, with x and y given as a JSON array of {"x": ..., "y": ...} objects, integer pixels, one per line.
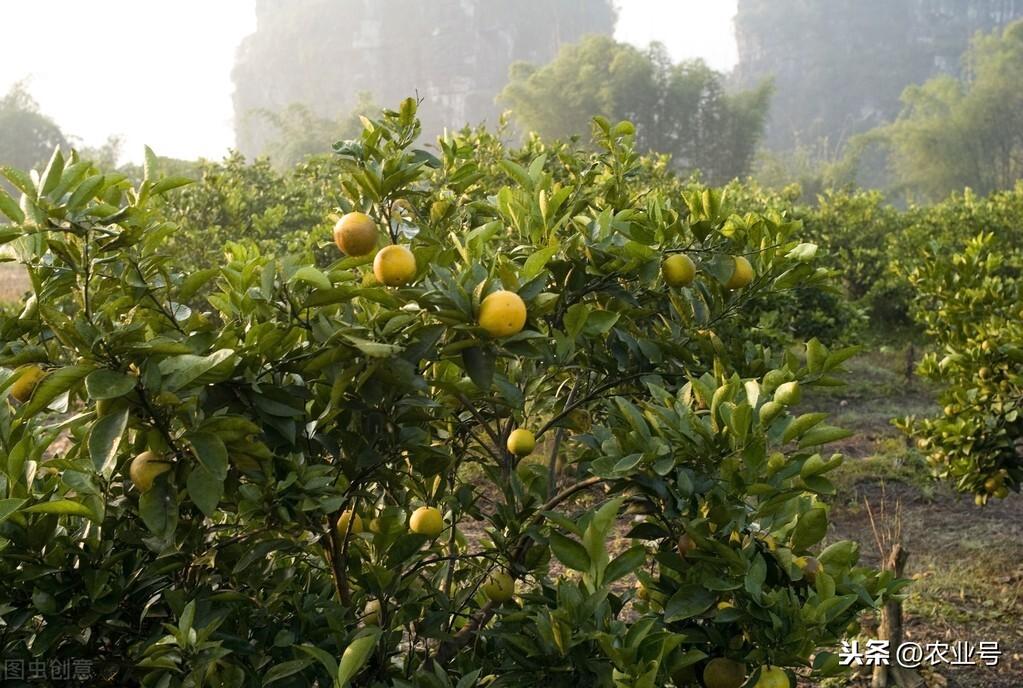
[
  {"x": 953, "y": 134},
  {"x": 294, "y": 393},
  {"x": 678, "y": 109},
  {"x": 301, "y": 134},
  {"x": 279, "y": 211},
  {"x": 27, "y": 137},
  {"x": 967, "y": 297}
]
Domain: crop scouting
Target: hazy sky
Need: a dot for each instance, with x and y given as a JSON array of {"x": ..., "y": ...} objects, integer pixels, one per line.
[{"x": 159, "y": 73}]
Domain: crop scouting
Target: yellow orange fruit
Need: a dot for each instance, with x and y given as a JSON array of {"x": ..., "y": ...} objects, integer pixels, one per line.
[
  {"x": 394, "y": 266},
  {"x": 426, "y": 520},
  {"x": 742, "y": 275},
  {"x": 678, "y": 270},
  {"x": 346, "y": 518},
  {"x": 521, "y": 442},
  {"x": 371, "y": 613},
  {"x": 28, "y": 378},
  {"x": 356, "y": 234},
  {"x": 502, "y": 314},
  {"x": 144, "y": 468}
]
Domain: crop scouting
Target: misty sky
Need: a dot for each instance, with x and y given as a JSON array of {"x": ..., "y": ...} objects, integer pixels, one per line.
[{"x": 159, "y": 73}]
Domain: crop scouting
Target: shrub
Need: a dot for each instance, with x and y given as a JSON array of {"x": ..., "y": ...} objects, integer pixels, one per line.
[{"x": 211, "y": 482}]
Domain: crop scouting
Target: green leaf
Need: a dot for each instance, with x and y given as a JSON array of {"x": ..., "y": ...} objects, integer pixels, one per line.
[
  {"x": 205, "y": 490},
  {"x": 190, "y": 370},
  {"x": 169, "y": 183},
  {"x": 479, "y": 363},
  {"x": 536, "y": 262},
  {"x": 105, "y": 439},
  {"x": 374, "y": 349},
  {"x": 9, "y": 207},
  {"x": 310, "y": 275},
  {"x": 63, "y": 507},
  {"x": 286, "y": 669},
  {"x": 159, "y": 509},
  {"x": 811, "y": 527},
  {"x": 687, "y": 602},
  {"x": 8, "y": 507},
  {"x": 211, "y": 452},
  {"x": 52, "y": 386},
  {"x": 569, "y": 552},
  {"x": 51, "y": 175},
  {"x": 85, "y": 191},
  {"x": 355, "y": 655},
  {"x": 108, "y": 384},
  {"x": 322, "y": 656},
  {"x": 816, "y": 356},
  {"x": 800, "y": 425},
  {"x": 625, "y": 563},
  {"x": 823, "y": 435}
]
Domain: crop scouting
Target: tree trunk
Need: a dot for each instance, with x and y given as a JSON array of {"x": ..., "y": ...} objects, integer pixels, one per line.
[{"x": 891, "y": 628}]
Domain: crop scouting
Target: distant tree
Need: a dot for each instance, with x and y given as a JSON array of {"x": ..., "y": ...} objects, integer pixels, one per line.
[
  {"x": 27, "y": 137},
  {"x": 302, "y": 133},
  {"x": 681, "y": 109},
  {"x": 954, "y": 133},
  {"x": 839, "y": 66}
]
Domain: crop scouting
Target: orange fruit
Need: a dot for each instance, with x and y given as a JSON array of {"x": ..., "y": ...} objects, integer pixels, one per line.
[{"x": 356, "y": 234}]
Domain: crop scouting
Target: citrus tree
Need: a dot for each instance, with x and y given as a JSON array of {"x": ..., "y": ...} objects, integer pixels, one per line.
[
  {"x": 514, "y": 435},
  {"x": 970, "y": 306}
]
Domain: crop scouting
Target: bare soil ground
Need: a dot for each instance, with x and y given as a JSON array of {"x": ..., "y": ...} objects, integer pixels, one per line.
[
  {"x": 966, "y": 562},
  {"x": 13, "y": 283}
]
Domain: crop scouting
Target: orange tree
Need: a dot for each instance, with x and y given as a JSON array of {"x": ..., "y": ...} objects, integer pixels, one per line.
[
  {"x": 969, "y": 301},
  {"x": 272, "y": 472}
]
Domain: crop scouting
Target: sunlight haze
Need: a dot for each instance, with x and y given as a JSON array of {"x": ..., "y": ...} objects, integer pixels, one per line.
[{"x": 161, "y": 73}]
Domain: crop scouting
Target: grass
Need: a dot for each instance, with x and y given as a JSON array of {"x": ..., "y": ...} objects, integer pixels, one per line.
[{"x": 966, "y": 562}]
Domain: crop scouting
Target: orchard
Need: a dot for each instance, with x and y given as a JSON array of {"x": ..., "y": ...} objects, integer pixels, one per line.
[{"x": 512, "y": 423}]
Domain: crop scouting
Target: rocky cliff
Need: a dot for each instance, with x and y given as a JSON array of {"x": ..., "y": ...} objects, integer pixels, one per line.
[
  {"x": 453, "y": 53},
  {"x": 839, "y": 66}
]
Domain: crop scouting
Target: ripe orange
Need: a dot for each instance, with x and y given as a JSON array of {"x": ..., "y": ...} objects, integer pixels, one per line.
[
  {"x": 28, "y": 378},
  {"x": 521, "y": 442},
  {"x": 502, "y": 314},
  {"x": 356, "y": 234},
  {"x": 742, "y": 275},
  {"x": 394, "y": 266},
  {"x": 343, "y": 521},
  {"x": 144, "y": 468},
  {"x": 678, "y": 270},
  {"x": 426, "y": 520}
]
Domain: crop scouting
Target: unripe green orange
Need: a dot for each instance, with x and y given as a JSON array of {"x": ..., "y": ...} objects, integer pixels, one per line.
[
  {"x": 769, "y": 411},
  {"x": 788, "y": 394},
  {"x": 721, "y": 672},
  {"x": 772, "y": 677},
  {"x": 356, "y": 234},
  {"x": 426, "y": 520},
  {"x": 521, "y": 442},
  {"x": 678, "y": 270},
  {"x": 500, "y": 587},
  {"x": 394, "y": 266}
]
